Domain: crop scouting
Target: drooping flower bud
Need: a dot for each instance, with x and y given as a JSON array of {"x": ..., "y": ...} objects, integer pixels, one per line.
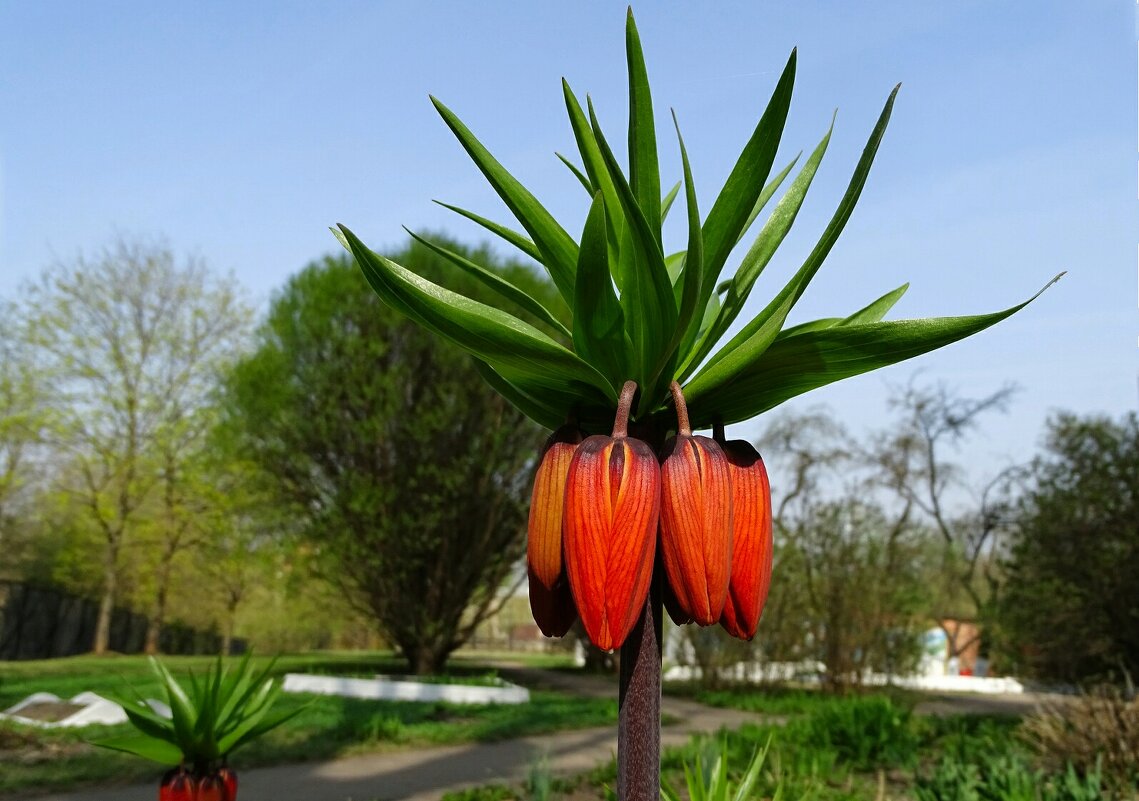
[
  {"x": 553, "y": 609},
  {"x": 696, "y": 520},
  {"x": 228, "y": 778},
  {"x": 177, "y": 785},
  {"x": 751, "y": 538},
  {"x": 612, "y": 508},
  {"x": 544, "y": 532},
  {"x": 211, "y": 788}
]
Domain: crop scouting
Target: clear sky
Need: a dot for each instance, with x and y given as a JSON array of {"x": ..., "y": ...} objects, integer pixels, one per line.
[{"x": 240, "y": 131}]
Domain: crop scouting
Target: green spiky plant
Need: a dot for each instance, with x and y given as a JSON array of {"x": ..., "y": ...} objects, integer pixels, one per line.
[
  {"x": 209, "y": 718},
  {"x": 637, "y": 313}
]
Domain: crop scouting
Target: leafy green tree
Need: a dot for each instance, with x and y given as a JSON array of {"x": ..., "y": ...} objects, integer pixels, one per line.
[
  {"x": 1071, "y": 604},
  {"x": 131, "y": 342},
  {"x": 24, "y": 425},
  {"x": 407, "y": 472}
]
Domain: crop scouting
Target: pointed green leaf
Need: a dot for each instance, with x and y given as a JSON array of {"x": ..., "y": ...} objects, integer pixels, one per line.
[
  {"x": 667, "y": 200},
  {"x": 813, "y": 359},
  {"x": 147, "y": 721},
  {"x": 749, "y": 344},
  {"x": 646, "y": 293},
  {"x": 182, "y": 710},
  {"x": 774, "y": 231},
  {"x": 146, "y": 747},
  {"x": 511, "y": 236},
  {"x": 644, "y": 173},
  {"x": 492, "y": 335},
  {"x": 559, "y": 251},
  {"x": 766, "y": 195},
  {"x": 875, "y": 311},
  {"x": 581, "y": 177},
  {"x": 687, "y": 323},
  {"x": 734, "y": 205},
  {"x": 751, "y": 777},
  {"x": 810, "y": 325},
  {"x": 496, "y": 283},
  {"x": 595, "y": 168},
  {"x": 598, "y": 323},
  {"x": 260, "y": 727},
  {"x": 543, "y": 415}
]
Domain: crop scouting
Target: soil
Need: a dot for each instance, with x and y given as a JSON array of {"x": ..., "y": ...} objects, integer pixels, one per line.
[{"x": 50, "y": 712}]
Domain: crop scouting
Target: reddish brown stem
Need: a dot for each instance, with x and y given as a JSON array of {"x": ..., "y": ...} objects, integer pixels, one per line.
[
  {"x": 624, "y": 407},
  {"x": 718, "y": 432},
  {"x": 682, "y": 426}
]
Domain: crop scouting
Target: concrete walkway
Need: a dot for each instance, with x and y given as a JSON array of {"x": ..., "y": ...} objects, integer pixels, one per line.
[{"x": 425, "y": 774}]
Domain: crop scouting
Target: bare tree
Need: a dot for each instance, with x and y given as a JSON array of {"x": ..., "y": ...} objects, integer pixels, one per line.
[
  {"x": 850, "y": 594},
  {"x": 131, "y": 341},
  {"x": 913, "y": 460}
]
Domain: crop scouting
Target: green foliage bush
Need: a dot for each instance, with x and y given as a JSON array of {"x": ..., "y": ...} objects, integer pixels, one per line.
[
  {"x": 867, "y": 733},
  {"x": 1006, "y": 777}
]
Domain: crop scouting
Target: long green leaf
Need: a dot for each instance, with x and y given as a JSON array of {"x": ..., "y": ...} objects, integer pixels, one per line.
[
  {"x": 598, "y": 324},
  {"x": 510, "y": 235},
  {"x": 581, "y": 177},
  {"x": 238, "y": 739},
  {"x": 595, "y": 169},
  {"x": 667, "y": 200},
  {"x": 646, "y": 292},
  {"x": 146, "y": 747},
  {"x": 559, "y": 251},
  {"x": 749, "y": 344},
  {"x": 492, "y": 335},
  {"x": 644, "y": 172},
  {"x": 733, "y": 206},
  {"x": 496, "y": 283},
  {"x": 876, "y": 310},
  {"x": 768, "y": 192},
  {"x": 182, "y": 712},
  {"x": 687, "y": 322},
  {"x": 774, "y": 231},
  {"x": 813, "y": 359},
  {"x": 536, "y": 410}
]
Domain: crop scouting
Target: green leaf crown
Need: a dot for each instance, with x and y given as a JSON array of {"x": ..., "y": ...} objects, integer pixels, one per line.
[{"x": 636, "y": 313}]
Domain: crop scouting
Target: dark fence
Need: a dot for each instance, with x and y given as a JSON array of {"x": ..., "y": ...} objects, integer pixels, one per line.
[{"x": 44, "y": 622}]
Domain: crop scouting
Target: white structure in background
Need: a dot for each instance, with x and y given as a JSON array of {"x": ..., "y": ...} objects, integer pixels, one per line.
[
  {"x": 384, "y": 688},
  {"x": 936, "y": 671},
  {"x": 89, "y": 708}
]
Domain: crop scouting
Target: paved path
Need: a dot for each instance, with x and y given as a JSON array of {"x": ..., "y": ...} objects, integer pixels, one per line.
[{"x": 425, "y": 774}]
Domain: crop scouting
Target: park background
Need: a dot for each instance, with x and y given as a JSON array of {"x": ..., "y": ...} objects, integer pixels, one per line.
[{"x": 199, "y": 155}]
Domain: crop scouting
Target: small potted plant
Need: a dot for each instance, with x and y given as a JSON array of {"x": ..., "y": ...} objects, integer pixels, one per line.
[{"x": 209, "y": 718}]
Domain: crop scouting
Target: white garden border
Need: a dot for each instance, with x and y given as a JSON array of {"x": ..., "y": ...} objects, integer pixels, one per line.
[
  {"x": 96, "y": 709},
  {"x": 383, "y": 688}
]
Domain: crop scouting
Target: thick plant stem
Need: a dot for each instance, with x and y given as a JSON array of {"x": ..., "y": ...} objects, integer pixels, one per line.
[{"x": 638, "y": 727}]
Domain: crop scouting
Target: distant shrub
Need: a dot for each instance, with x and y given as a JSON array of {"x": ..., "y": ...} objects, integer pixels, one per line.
[{"x": 1096, "y": 730}]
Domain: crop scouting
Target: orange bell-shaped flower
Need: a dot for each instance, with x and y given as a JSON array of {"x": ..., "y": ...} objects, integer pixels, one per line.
[
  {"x": 612, "y": 507},
  {"x": 544, "y": 532},
  {"x": 696, "y": 520},
  {"x": 751, "y": 538},
  {"x": 553, "y": 608}
]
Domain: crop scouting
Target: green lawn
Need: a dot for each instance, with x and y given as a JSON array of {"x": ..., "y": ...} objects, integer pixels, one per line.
[{"x": 328, "y": 726}]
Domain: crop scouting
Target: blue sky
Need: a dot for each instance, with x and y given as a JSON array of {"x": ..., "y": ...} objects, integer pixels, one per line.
[{"x": 240, "y": 131}]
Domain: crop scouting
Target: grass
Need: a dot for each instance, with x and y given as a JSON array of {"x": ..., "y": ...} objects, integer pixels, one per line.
[
  {"x": 327, "y": 727},
  {"x": 857, "y": 748}
]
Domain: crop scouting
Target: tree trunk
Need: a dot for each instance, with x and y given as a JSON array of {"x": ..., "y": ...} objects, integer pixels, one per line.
[
  {"x": 427, "y": 659},
  {"x": 158, "y": 618},
  {"x": 107, "y": 602}
]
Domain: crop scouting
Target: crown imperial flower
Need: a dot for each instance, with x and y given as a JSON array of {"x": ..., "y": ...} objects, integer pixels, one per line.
[{"x": 612, "y": 507}]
